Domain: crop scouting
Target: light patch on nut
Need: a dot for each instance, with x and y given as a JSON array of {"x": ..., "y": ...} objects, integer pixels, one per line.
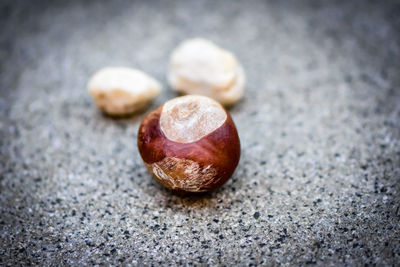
[
  {"x": 188, "y": 118},
  {"x": 183, "y": 174},
  {"x": 121, "y": 91},
  {"x": 198, "y": 66}
]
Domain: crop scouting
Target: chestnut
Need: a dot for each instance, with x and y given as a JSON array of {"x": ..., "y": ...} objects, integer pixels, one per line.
[{"x": 190, "y": 144}]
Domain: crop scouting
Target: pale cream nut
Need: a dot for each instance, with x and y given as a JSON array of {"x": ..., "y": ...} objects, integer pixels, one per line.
[
  {"x": 198, "y": 66},
  {"x": 121, "y": 91}
]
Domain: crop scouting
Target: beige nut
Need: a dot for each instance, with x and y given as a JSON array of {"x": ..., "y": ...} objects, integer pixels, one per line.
[
  {"x": 120, "y": 91},
  {"x": 198, "y": 66}
]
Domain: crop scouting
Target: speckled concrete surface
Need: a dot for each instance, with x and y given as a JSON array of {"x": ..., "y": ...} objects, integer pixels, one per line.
[{"x": 318, "y": 181}]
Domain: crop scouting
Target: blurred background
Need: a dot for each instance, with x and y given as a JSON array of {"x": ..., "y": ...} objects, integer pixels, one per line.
[{"x": 318, "y": 180}]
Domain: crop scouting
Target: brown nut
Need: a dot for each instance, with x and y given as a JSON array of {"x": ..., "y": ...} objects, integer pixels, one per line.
[{"x": 190, "y": 144}]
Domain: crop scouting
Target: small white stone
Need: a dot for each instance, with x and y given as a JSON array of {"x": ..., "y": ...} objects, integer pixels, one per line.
[
  {"x": 121, "y": 91},
  {"x": 198, "y": 66}
]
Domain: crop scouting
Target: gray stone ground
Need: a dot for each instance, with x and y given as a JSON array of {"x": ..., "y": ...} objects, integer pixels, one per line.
[{"x": 318, "y": 181}]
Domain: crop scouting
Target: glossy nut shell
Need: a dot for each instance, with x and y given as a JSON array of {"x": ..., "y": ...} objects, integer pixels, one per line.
[{"x": 198, "y": 166}]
